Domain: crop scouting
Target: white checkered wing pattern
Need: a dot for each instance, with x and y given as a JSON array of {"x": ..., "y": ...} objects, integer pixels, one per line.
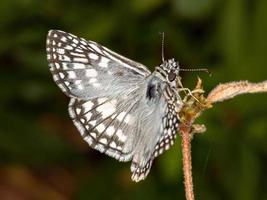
[
  {"x": 118, "y": 106},
  {"x": 87, "y": 70},
  {"x": 168, "y": 129},
  {"x": 107, "y": 124}
]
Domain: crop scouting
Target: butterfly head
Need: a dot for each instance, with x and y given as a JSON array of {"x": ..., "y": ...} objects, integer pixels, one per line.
[{"x": 169, "y": 70}]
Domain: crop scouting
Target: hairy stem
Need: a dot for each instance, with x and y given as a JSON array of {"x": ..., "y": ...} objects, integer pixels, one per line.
[
  {"x": 187, "y": 166},
  {"x": 192, "y": 109},
  {"x": 229, "y": 90}
]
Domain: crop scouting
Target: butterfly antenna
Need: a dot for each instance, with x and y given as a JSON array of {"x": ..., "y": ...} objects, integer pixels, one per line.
[
  {"x": 162, "y": 46},
  {"x": 197, "y": 70}
]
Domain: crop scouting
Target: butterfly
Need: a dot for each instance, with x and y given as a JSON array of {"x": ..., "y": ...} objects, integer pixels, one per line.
[{"x": 119, "y": 107}]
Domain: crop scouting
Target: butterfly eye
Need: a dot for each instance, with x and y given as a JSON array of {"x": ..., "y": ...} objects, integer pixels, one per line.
[{"x": 171, "y": 76}]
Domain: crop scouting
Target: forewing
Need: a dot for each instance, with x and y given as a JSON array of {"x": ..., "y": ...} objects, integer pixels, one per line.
[{"x": 87, "y": 70}]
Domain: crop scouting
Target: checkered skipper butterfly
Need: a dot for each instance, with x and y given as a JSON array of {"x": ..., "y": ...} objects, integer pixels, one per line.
[{"x": 119, "y": 106}]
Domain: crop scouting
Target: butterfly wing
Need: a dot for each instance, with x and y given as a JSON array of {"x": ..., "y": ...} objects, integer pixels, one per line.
[
  {"x": 107, "y": 124},
  {"x": 170, "y": 123},
  {"x": 163, "y": 136},
  {"x": 103, "y": 87},
  {"x": 126, "y": 127},
  {"x": 114, "y": 104},
  {"x": 85, "y": 69}
]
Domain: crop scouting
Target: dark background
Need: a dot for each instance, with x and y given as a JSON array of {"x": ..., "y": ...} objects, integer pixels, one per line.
[{"x": 42, "y": 155}]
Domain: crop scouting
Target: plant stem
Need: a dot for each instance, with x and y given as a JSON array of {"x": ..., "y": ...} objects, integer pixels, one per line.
[
  {"x": 187, "y": 166},
  {"x": 192, "y": 109}
]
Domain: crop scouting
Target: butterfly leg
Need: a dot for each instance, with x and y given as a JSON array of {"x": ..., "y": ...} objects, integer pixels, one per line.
[
  {"x": 187, "y": 91},
  {"x": 190, "y": 93}
]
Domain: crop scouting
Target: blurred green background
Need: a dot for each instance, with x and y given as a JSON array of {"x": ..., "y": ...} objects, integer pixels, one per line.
[{"x": 42, "y": 155}]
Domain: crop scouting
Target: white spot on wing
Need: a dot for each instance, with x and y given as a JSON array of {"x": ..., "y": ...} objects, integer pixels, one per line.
[
  {"x": 113, "y": 145},
  {"x": 167, "y": 146},
  {"x": 110, "y": 131},
  {"x": 100, "y": 128},
  {"x": 71, "y": 75},
  {"x": 93, "y": 123},
  {"x": 121, "y": 116},
  {"x": 127, "y": 119},
  {"x": 56, "y": 78},
  {"x": 91, "y": 73},
  {"x": 93, "y": 134},
  {"x": 121, "y": 136},
  {"x": 77, "y": 54},
  {"x": 103, "y": 62},
  {"x": 160, "y": 151},
  {"x": 93, "y": 56},
  {"x": 84, "y": 60},
  {"x": 57, "y": 65},
  {"x": 103, "y": 140},
  {"x": 88, "y": 116},
  {"x": 92, "y": 80},
  {"x": 67, "y": 83},
  {"x": 169, "y": 131},
  {"x": 61, "y": 51},
  {"x": 80, "y": 87},
  {"x": 75, "y": 41},
  {"x": 87, "y": 106},
  {"x": 119, "y": 148},
  {"x": 63, "y": 39},
  {"x": 78, "y": 82},
  {"x": 93, "y": 46},
  {"x": 78, "y": 66},
  {"x": 83, "y": 41},
  {"x": 161, "y": 144},
  {"x": 107, "y": 108},
  {"x": 61, "y": 75},
  {"x": 79, "y": 50},
  {"x": 96, "y": 84},
  {"x": 78, "y": 110},
  {"x": 68, "y": 47}
]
